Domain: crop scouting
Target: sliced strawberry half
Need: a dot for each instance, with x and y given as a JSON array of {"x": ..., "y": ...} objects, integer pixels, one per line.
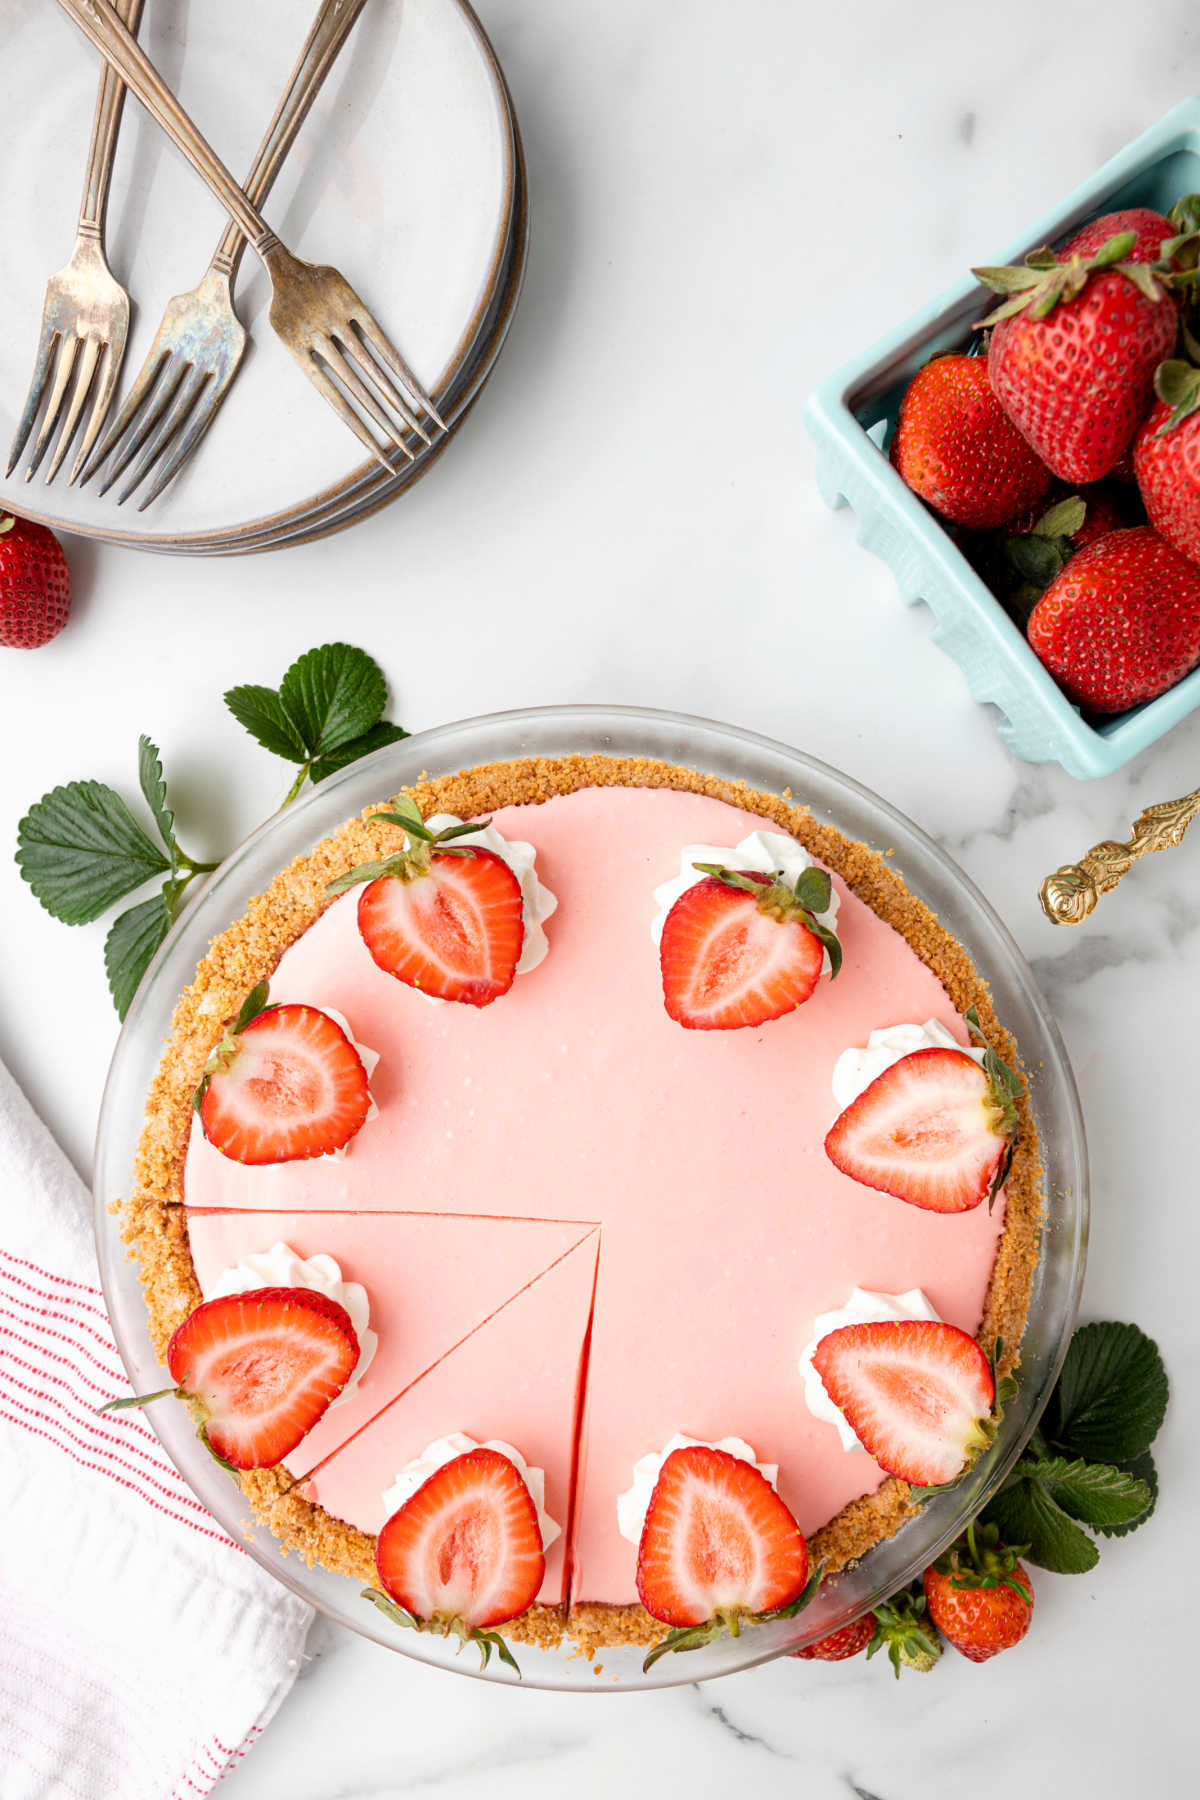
[
  {"x": 719, "y": 1550},
  {"x": 918, "y": 1394},
  {"x": 936, "y": 1129},
  {"x": 740, "y": 948},
  {"x": 464, "y": 1553},
  {"x": 455, "y": 932},
  {"x": 262, "y": 1368},
  {"x": 285, "y": 1084},
  {"x": 442, "y": 916}
]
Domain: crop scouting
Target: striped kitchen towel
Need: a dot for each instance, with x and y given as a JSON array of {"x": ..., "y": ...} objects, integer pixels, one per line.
[{"x": 142, "y": 1651}]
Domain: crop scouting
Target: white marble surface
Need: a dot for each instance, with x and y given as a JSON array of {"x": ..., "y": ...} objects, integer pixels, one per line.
[{"x": 728, "y": 200}]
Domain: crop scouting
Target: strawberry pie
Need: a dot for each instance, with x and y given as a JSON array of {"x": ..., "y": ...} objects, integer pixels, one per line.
[{"x": 596, "y": 1198}]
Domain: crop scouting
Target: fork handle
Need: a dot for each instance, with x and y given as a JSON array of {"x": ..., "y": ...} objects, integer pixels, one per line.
[
  {"x": 97, "y": 20},
  {"x": 330, "y": 30},
  {"x": 110, "y": 101}
]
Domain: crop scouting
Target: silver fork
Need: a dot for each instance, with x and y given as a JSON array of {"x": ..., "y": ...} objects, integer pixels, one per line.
[
  {"x": 200, "y": 342},
  {"x": 315, "y": 312},
  {"x": 85, "y": 313}
]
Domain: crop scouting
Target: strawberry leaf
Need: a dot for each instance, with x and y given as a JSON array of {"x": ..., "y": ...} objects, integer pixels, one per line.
[
  {"x": 1113, "y": 249},
  {"x": 1142, "y": 1469},
  {"x": 1095, "y": 1493},
  {"x": 1026, "y": 1514},
  {"x": 254, "y": 1003},
  {"x": 1185, "y": 214},
  {"x": 1144, "y": 279},
  {"x": 807, "y": 1594},
  {"x": 831, "y": 942},
  {"x": 1010, "y": 281},
  {"x": 492, "y": 1640},
  {"x": 1039, "y": 558},
  {"x": 370, "y": 871},
  {"x": 81, "y": 849},
  {"x": 1177, "y": 385},
  {"x": 154, "y": 791},
  {"x": 332, "y": 695},
  {"x": 903, "y": 1630},
  {"x": 681, "y": 1638},
  {"x": 377, "y": 738},
  {"x": 814, "y": 890},
  {"x": 264, "y": 716},
  {"x": 399, "y": 1615},
  {"x": 1062, "y": 520},
  {"x": 1111, "y": 1396},
  {"x": 129, "y": 948}
]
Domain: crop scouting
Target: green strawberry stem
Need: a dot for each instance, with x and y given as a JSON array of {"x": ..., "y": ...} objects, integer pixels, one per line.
[
  {"x": 729, "y": 1622},
  {"x": 446, "y": 1625},
  {"x": 1043, "y": 282},
  {"x": 902, "y": 1629},
  {"x": 294, "y": 791},
  {"x": 416, "y": 858},
  {"x": 988, "y": 1562},
  {"x": 254, "y": 1003},
  {"x": 141, "y": 1399}
]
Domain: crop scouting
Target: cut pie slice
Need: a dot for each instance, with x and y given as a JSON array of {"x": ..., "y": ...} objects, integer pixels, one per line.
[
  {"x": 518, "y": 1379},
  {"x": 431, "y": 1280}
]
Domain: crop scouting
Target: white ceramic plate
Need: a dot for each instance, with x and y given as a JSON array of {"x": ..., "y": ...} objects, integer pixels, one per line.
[
  {"x": 371, "y": 489},
  {"x": 403, "y": 177}
]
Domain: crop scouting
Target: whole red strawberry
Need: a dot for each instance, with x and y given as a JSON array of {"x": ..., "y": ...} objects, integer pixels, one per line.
[
  {"x": 1121, "y": 623},
  {"x": 954, "y": 446},
  {"x": 979, "y": 1596},
  {"x": 1150, "y": 231},
  {"x": 1074, "y": 349},
  {"x": 35, "y": 584},
  {"x": 1166, "y": 458},
  {"x": 851, "y": 1640}
]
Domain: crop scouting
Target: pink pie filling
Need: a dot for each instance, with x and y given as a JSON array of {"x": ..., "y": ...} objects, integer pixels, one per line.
[{"x": 575, "y": 1102}]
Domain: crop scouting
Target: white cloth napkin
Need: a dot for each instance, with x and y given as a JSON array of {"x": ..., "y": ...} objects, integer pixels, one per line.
[{"x": 142, "y": 1651}]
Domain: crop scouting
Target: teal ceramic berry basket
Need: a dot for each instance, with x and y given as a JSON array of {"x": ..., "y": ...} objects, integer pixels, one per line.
[{"x": 852, "y": 414}]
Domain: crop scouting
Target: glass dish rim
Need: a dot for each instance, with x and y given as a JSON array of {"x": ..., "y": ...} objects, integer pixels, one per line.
[{"x": 585, "y": 729}]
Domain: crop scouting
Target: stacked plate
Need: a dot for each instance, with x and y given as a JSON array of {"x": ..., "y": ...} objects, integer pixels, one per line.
[{"x": 408, "y": 175}]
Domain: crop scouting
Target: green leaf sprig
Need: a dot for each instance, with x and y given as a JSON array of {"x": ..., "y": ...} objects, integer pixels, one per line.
[
  {"x": 326, "y": 713},
  {"x": 1088, "y": 1462},
  {"x": 82, "y": 849}
]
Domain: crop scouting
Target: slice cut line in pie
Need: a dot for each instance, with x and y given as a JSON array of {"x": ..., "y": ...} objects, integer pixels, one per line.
[{"x": 414, "y": 1266}]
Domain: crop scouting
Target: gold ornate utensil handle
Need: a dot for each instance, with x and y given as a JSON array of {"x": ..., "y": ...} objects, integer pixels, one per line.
[{"x": 1071, "y": 893}]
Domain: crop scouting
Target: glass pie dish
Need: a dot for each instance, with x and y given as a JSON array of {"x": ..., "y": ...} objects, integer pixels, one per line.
[{"x": 729, "y": 754}]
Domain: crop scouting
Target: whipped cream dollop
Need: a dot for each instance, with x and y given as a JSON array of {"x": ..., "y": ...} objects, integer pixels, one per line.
[
  {"x": 537, "y": 902},
  {"x": 281, "y": 1266},
  {"x": 443, "y": 1450},
  {"x": 862, "y": 1308},
  {"x": 632, "y": 1504},
  {"x": 856, "y": 1069},
  {"x": 762, "y": 853}
]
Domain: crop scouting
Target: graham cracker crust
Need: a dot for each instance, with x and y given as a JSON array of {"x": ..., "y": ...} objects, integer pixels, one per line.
[{"x": 154, "y": 1223}]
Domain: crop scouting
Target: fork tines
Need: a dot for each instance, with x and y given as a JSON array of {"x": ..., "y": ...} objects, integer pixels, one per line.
[
  {"x": 76, "y": 372},
  {"x": 360, "y": 373}
]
